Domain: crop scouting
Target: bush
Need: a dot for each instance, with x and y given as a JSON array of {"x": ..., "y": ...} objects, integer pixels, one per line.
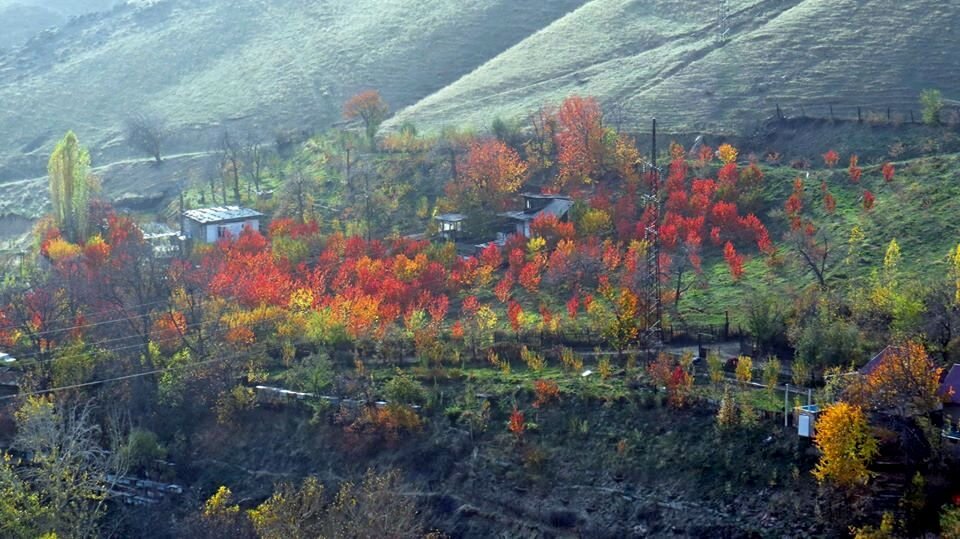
[
  {"x": 931, "y": 102},
  {"x": 143, "y": 447},
  {"x": 401, "y": 389}
]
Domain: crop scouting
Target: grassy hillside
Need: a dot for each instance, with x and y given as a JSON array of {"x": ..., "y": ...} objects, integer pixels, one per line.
[
  {"x": 661, "y": 58},
  {"x": 22, "y": 19},
  {"x": 917, "y": 209},
  {"x": 258, "y": 65}
]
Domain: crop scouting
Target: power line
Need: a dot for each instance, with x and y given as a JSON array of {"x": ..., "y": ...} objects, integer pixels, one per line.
[{"x": 116, "y": 379}]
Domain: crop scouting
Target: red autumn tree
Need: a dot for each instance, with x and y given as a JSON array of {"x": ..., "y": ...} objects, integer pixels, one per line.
[
  {"x": 868, "y": 200},
  {"x": 831, "y": 158},
  {"x": 546, "y": 392},
  {"x": 888, "y": 171},
  {"x": 368, "y": 107},
  {"x": 580, "y": 140},
  {"x": 855, "y": 171},
  {"x": 734, "y": 260},
  {"x": 517, "y": 423}
]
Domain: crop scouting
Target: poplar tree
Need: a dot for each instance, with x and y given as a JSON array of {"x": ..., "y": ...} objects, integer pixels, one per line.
[{"x": 70, "y": 187}]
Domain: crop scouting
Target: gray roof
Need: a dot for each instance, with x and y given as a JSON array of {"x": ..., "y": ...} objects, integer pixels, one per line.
[
  {"x": 221, "y": 214},
  {"x": 557, "y": 206},
  {"x": 451, "y": 217},
  {"x": 545, "y": 196},
  {"x": 876, "y": 360}
]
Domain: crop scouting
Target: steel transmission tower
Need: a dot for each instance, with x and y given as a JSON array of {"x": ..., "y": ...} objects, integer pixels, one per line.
[{"x": 652, "y": 334}]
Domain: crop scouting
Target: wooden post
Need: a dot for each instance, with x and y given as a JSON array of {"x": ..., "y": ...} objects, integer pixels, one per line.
[
  {"x": 911, "y": 118},
  {"x": 786, "y": 405},
  {"x": 779, "y": 113},
  {"x": 888, "y": 114},
  {"x": 831, "y": 112},
  {"x": 859, "y": 116}
]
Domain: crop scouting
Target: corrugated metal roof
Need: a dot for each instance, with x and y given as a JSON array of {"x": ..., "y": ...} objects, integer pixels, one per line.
[
  {"x": 221, "y": 214},
  {"x": 557, "y": 206},
  {"x": 451, "y": 217}
]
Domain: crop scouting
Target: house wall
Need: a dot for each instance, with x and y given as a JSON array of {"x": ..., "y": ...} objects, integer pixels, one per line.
[{"x": 210, "y": 232}]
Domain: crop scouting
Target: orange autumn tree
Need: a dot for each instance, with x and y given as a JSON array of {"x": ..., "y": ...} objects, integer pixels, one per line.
[
  {"x": 846, "y": 446},
  {"x": 370, "y": 108},
  {"x": 487, "y": 176},
  {"x": 905, "y": 381},
  {"x": 580, "y": 139}
]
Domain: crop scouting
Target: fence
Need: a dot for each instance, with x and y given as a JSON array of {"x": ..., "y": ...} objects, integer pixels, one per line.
[{"x": 892, "y": 114}]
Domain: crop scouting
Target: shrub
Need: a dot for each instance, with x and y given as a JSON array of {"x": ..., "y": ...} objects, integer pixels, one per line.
[
  {"x": 535, "y": 362},
  {"x": 931, "y": 102},
  {"x": 401, "y": 389},
  {"x": 744, "y": 371}
]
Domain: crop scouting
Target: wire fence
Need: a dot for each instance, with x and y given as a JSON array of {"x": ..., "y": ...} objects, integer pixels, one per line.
[{"x": 891, "y": 114}]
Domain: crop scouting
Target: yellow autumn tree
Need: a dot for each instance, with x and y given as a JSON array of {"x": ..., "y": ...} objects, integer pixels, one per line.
[
  {"x": 727, "y": 153},
  {"x": 846, "y": 446}
]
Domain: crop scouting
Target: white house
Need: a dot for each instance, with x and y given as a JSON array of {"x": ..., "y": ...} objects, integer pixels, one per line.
[{"x": 210, "y": 225}]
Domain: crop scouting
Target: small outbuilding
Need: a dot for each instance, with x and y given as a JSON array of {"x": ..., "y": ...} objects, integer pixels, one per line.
[
  {"x": 210, "y": 225},
  {"x": 535, "y": 205},
  {"x": 450, "y": 225}
]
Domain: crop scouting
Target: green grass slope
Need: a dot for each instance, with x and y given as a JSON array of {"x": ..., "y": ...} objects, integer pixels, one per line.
[
  {"x": 259, "y": 65},
  {"x": 919, "y": 209},
  {"x": 661, "y": 58}
]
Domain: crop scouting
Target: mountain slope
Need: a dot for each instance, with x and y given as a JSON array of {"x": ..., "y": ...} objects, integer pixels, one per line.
[
  {"x": 261, "y": 65},
  {"x": 22, "y": 19},
  {"x": 661, "y": 58}
]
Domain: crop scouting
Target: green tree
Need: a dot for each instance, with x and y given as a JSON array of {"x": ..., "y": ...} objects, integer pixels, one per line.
[
  {"x": 69, "y": 467},
  {"x": 771, "y": 373},
  {"x": 70, "y": 187},
  {"x": 931, "y": 101},
  {"x": 21, "y": 512}
]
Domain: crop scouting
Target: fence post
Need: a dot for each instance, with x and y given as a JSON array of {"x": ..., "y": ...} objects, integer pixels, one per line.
[
  {"x": 779, "y": 113},
  {"x": 859, "y": 116},
  {"x": 831, "y": 112},
  {"x": 786, "y": 405},
  {"x": 888, "y": 114},
  {"x": 911, "y": 118}
]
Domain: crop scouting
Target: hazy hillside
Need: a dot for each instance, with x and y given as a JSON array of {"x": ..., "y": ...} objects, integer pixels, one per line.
[
  {"x": 662, "y": 58},
  {"x": 22, "y": 19},
  {"x": 265, "y": 65}
]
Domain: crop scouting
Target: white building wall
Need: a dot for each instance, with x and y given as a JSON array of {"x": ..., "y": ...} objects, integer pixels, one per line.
[{"x": 211, "y": 231}]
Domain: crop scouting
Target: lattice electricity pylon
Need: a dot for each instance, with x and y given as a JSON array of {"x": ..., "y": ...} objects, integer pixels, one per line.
[
  {"x": 652, "y": 328},
  {"x": 723, "y": 20}
]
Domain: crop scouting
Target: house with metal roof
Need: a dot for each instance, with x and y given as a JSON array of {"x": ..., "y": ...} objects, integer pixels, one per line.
[
  {"x": 210, "y": 225},
  {"x": 535, "y": 205}
]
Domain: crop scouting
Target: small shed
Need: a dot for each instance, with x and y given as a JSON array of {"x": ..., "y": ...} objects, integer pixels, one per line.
[
  {"x": 210, "y": 225},
  {"x": 807, "y": 420},
  {"x": 450, "y": 225}
]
